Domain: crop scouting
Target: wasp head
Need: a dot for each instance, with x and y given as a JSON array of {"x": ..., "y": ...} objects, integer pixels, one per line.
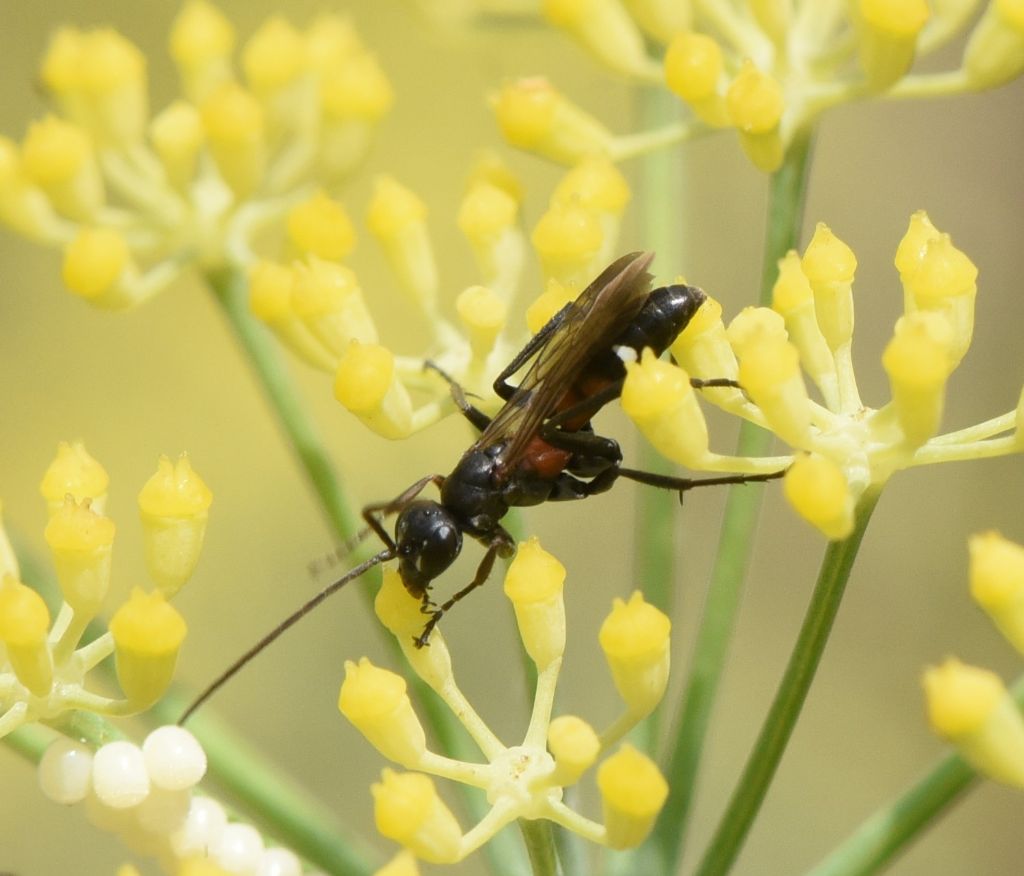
[{"x": 428, "y": 542}]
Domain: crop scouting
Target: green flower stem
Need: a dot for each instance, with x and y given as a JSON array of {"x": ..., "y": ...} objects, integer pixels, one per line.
[
  {"x": 785, "y": 211},
  {"x": 889, "y": 830},
  {"x": 230, "y": 289},
  {"x": 789, "y": 699},
  {"x": 661, "y": 191},
  {"x": 540, "y": 846}
]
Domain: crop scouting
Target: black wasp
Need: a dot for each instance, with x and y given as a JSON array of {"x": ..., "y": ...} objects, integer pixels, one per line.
[{"x": 539, "y": 447}]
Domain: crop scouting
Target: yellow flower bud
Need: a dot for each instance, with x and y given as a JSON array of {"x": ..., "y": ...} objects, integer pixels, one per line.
[
  {"x": 633, "y": 791},
  {"x": 946, "y": 282},
  {"x": 488, "y": 167},
  {"x": 918, "y": 362},
  {"x": 400, "y": 612},
  {"x": 24, "y": 623},
  {"x": 327, "y": 298},
  {"x": 662, "y": 19},
  {"x": 397, "y": 218},
  {"x": 270, "y": 291},
  {"x": 754, "y": 103},
  {"x": 972, "y": 709},
  {"x": 58, "y": 156},
  {"x": 202, "y": 39},
  {"x": 486, "y": 213},
  {"x": 488, "y": 217},
  {"x": 484, "y": 315},
  {"x": 174, "y": 505},
  {"x": 81, "y": 541},
  {"x": 793, "y": 297},
  {"x": 888, "y": 38},
  {"x": 816, "y": 487},
  {"x": 752, "y": 326},
  {"x": 366, "y": 384},
  {"x": 995, "y": 51},
  {"x": 554, "y": 297},
  {"x": 703, "y": 348},
  {"x": 23, "y": 206},
  {"x": 74, "y": 471},
  {"x": 402, "y": 864},
  {"x": 148, "y": 633},
  {"x": 770, "y": 373},
  {"x": 997, "y": 583},
  {"x": 274, "y": 56},
  {"x": 535, "y": 117},
  {"x": 658, "y": 397},
  {"x": 407, "y": 809},
  {"x": 606, "y": 30},
  {"x": 829, "y": 265},
  {"x": 234, "y": 126},
  {"x": 574, "y": 745},
  {"x": 356, "y": 88},
  {"x": 376, "y": 702},
  {"x": 694, "y": 70},
  {"x": 330, "y": 39},
  {"x": 568, "y": 240},
  {"x": 635, "y": 641},
  {"x": 911, "y": 249},
  {"x": 177, "y": 136},
  {"x": 98, "y": 265},
  {"x": 321, "y": 226},
  {"x": 534, "y": 584},
  {"x": 597, "y": 184}
]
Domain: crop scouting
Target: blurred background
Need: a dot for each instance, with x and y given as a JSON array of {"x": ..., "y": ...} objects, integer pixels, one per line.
[{"x": 167, "y": 377}]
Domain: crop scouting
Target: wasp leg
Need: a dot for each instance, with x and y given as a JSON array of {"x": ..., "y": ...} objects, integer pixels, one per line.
[
  {"x": 375, "y": 513},
  {"x": 592, "y": 454},
  {"x": 502, "y": 388},
  {"x": 667, "y": 482},
  {"x": 501, "y": 544},
  {"x": 701, "y": 383},
  {"x": 475, "y": 416}
]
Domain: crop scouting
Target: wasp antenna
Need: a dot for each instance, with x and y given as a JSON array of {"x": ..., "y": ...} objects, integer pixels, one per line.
[
  {"x": 288, "y": 622},
  {"x": 335, "y": 556}
]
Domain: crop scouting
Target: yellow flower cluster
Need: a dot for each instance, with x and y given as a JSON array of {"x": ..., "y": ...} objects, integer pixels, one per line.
[
  {"x": 844, "y": 447},
  {"x": 315, "y": 306},
  {"x": 526, "y": 780},
  {"x": 970, "y": 706},
  {"x": 42, "y": 668},
  {"x": 134, "y": 199},
  {"x": 764, "y": 68}
]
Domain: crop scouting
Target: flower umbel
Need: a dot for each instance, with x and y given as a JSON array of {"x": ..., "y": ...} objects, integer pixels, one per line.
[
  {"x": 134, "y": 200},
  {"x": 316, "y": 306},
  {"x": 525, "y": 780},
  {"x": 44, "y": 666},
  {"x": 844, "y": 448},
  {"x": 767, "y": 70}
]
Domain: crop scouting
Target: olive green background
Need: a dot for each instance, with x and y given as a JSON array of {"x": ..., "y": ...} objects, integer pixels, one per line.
[{"x": 167, "y": 377}]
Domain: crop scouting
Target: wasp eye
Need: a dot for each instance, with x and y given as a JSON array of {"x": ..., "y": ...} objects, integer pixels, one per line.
[{"x": 428, "y": 541}]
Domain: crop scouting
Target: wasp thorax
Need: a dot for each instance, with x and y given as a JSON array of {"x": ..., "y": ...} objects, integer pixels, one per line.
[{"x": 428, "y": 542}]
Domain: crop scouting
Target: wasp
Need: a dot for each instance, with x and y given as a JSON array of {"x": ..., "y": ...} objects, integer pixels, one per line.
[{"x": 539, "y": 447}]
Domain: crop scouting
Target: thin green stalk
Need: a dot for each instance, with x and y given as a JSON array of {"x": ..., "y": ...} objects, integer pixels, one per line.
[
  {"x": 889, "y": 830},
  {"x": 789, "y": 698},
  {"x": 785, "y": 210},
  {"x": 230, "y": 290},
  {"x": 540, "y": 846},
  {"x": 661, "y": 188}
]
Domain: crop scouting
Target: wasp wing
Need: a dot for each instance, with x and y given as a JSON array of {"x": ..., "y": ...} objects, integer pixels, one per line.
[{"x": 587, "y": 326}]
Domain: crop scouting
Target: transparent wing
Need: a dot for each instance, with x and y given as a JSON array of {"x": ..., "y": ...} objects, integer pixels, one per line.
[{"x": 587, "y": 327}]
